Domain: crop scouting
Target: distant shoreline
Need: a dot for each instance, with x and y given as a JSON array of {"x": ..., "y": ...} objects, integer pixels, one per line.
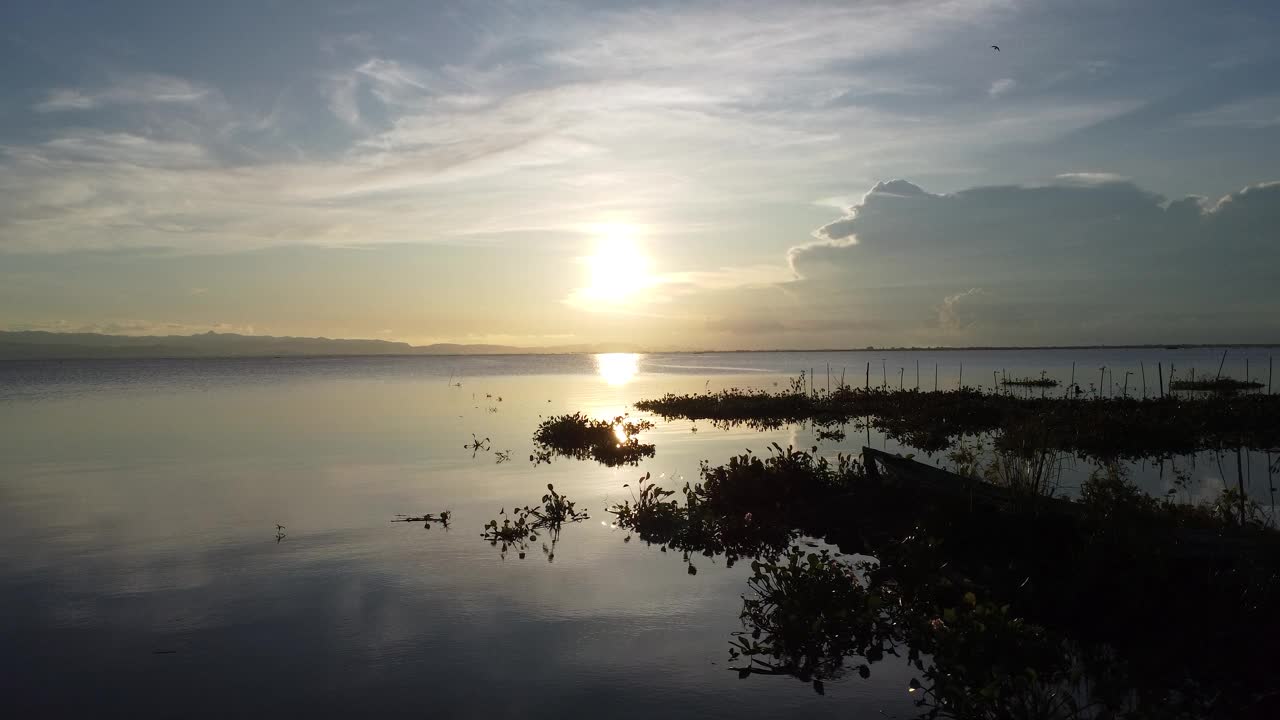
[{"x": 124, "y": 355}]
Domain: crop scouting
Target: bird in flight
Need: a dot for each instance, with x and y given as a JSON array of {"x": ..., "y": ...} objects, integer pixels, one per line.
[{"x": 996, "y": 48}]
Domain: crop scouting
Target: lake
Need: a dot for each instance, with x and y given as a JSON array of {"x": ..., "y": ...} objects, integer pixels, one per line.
[{"x": 141, "y": 571}]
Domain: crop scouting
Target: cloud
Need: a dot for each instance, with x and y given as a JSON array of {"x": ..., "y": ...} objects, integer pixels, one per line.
[
  {"x": 1003, "y": 86},
  {"x": 949, "y": 312},
  {"x": 132, "y": 327},
  {"x": 343, "y": 100},
  {"x": 1045, "y": 256},
  {"x": 133, "y": 89},
  {"x": 383, "y": 145},
  {"x": 1090, "y": 178},
  {"x": 1250, "y": 114},
  {"x": 62, "y": 99},
  {"x": 841, "y": 233},
  {"x": 122, "y": 149}
]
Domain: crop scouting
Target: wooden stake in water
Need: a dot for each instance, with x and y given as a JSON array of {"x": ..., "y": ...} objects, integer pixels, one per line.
[
  {"x": 1143, "y": 367},
  {"x": 1160, "y": 378},
  {"x": 1102, "y": 379},
  {"x": 935, "y": 377},
  {"x": 901, "y": 373},
  {"x": 995, "y": 381},
  {"x": 1220, "y": 363},
  {"x": 868, "y": 374},
  {"x": 917, "y": 373},
  {"x": 1271, "y": 484},
  {"x": 1269, "y": 357},
  {"x": 1073, "y": 376},
  {"x": 884, "y": 373},
  {"x": 1240, "y": 484},
  {"x": 960, "y": 380}
]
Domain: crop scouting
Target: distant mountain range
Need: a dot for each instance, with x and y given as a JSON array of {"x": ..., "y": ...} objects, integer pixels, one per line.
[{"x": 49, "y": 345}]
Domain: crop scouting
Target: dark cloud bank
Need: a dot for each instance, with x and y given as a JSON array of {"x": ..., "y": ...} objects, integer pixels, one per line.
[{"x": 1090, "y": 258}]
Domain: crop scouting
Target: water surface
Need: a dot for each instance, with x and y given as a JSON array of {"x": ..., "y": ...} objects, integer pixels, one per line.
[{"x": 140, "y": 570}]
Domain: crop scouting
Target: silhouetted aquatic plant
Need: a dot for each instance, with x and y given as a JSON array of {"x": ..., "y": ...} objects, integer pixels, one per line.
[
  {"x": 525, "y": 523},
  {"x": 932, "y": 421},
  {"x": 749, "y": 507},
  {"x": 806, "y": 615},
  {"x": 985, "y": 599},
  {"x": 1027, "y": 471},
  {"x": 832, "y": 434},
  {"x": 608, "y": 442},
  {"x": 815, "y": 617},
  {"x": 1218, "y": 385},
  {"x": 1041, "y": 382},
  {"x": 701, "y": 526},
  {"x": 477, "y": 445},
  {"x": 427, "y": 519}
]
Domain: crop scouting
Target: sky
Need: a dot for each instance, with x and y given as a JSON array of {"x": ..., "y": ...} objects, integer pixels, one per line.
[{"x": 683, "y": 175}]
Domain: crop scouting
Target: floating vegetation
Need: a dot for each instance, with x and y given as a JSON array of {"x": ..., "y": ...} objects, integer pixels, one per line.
[
  {"x": 806, "y": 616},
  {"x": 1218, "y": 385},
  {"x": 833, "y": 434},
  {"x": 280, "y": 534},
  {"x": 1005, "y": 600},
  {"x": 501, "y": 456},
  {"x": 427, "y": 519},
  {"x": 1039, "y": 382},
  {"x": 608, "y": 442},
  {"x": 1098, "y": 427},
  {"x": 477, "y": 445},
  {"x": 524, "y": 524},
  {"x": 747, "y": 508},
  {"x": 700, "y": 526},
  {"x": 1032, "y": 471},
  {"x": 988, "y": 596}
]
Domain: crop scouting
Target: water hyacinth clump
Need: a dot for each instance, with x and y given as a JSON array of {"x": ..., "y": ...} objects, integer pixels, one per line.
[
  {"x": 608, "y": 442},
  {"x": 523, "y": 525}
]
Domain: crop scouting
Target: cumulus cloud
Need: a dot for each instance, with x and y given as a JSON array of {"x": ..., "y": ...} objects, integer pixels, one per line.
[
  {"x": 842, "y": 233},
  {"x": 1088, "y": 246},
  {"x": 1095, "y": 211}
]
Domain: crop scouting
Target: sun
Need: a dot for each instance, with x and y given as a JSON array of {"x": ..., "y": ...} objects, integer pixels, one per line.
[{"x": 618, "y": 269}]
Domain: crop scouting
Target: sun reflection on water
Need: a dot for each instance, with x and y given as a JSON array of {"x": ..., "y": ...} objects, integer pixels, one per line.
[{"x": 618, "y": 368}]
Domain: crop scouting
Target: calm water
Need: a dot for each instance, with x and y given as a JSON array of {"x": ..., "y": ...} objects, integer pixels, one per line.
[{"x": 139, "y": 570}]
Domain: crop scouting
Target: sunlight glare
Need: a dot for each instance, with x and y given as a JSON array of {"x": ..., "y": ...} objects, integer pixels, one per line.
[
  {"x": 617, "y": 368},
  {"x": 618, "y": 268}
]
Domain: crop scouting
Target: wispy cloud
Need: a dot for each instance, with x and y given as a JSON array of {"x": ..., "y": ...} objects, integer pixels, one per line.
[
  {"x": 142, "y": 88},
  {"x": 950, "y": 313},
  {"x": 1250, "y": 113},
  {"x": 133, "y": 327},
  {"x": 1003, "y": 86}
]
